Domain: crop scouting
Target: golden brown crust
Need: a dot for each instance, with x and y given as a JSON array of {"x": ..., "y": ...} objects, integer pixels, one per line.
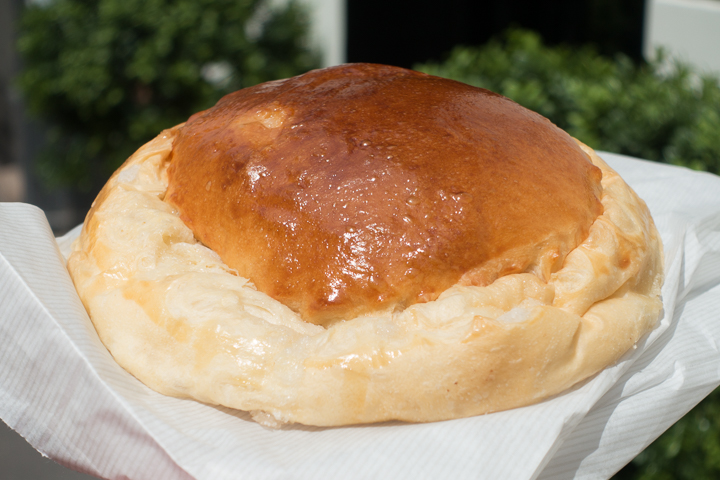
[{"x": 363, "y": 187}]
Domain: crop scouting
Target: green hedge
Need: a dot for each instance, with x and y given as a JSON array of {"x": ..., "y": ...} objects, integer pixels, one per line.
[
  {"x": 108, "y": 75},
  {"x": 661, "y": 111}
]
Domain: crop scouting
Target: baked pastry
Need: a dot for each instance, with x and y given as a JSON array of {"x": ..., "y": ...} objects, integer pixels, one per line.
[{"x": 365, "y": 243}]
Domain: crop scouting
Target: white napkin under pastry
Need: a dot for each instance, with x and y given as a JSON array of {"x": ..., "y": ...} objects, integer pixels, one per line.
[{"x": 62, "y": 391}]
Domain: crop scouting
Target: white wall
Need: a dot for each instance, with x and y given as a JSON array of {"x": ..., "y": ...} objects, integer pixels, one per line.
[
  {"x": 327, "y": 28},
  {"x": 328, "y": 31},
  {"x": 687, "y": 29}
]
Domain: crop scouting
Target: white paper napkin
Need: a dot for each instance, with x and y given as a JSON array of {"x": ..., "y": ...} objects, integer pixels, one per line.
[{"x": 63, "y": 392}]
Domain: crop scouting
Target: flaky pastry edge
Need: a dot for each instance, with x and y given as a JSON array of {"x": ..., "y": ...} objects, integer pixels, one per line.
[{"x": 174, "y": 316}]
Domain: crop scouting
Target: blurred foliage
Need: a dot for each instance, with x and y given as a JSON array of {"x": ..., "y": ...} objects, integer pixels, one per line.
[
  {"x": 660, "y": 111},
  {"x": 109, "y": 75}
]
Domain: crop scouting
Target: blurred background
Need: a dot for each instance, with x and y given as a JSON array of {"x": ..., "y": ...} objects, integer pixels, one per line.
[{"x": 84, "y": 83}]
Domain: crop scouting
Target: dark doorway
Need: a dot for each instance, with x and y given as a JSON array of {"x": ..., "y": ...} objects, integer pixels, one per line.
[{"x": 404, "y": 33}]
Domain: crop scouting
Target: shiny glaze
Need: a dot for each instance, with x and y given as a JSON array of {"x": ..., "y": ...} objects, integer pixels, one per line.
[{"x": 365, "y": 187}]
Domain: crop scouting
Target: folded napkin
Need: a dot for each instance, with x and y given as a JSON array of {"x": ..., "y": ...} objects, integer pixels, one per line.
[{"x": 64, "y": 393}]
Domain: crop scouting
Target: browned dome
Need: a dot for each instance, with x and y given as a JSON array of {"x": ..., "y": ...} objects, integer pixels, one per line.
[{"x": 366, "y": 187}]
